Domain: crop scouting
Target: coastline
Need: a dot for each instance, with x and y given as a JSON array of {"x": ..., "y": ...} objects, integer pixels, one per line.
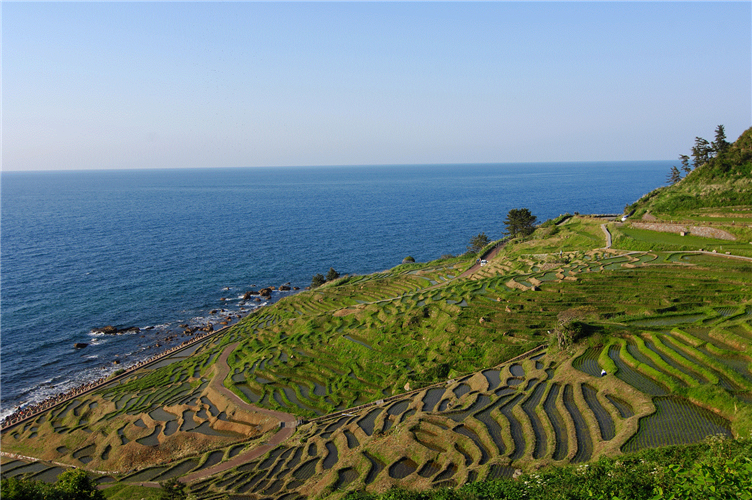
[{"x": 28, "y": 411}]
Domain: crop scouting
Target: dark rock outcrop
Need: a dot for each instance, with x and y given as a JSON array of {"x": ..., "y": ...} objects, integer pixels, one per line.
[
  {"x": 109, "y": 329},
  {"x": 80, "y": 345}
]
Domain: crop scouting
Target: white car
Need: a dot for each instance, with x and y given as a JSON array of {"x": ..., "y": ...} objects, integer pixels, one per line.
[{"x": 483, "y": 262}]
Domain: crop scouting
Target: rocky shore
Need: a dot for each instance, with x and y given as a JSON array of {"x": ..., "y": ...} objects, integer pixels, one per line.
[{"x": 196, "y": 334}]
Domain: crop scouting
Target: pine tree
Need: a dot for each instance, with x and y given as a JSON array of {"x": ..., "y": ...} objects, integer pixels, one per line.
[
  {"x": 332, "y": 274},
  {"x": 674, "y": 176},
  {"x": 520, "y": 222},
  {"x": 685, "y": 164},
  {"x": 477, "y": 243},
  {"x": 701, "y": 152},
  {"x": 720, "y": 145}
]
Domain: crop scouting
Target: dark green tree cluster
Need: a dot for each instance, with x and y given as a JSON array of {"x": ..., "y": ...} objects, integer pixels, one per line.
[
  {"x": 520, "y": 222},
  {"x": 319, "y": 279},
  {"x": 702, "y": 152},
  {"x": 72, "y": 484}
]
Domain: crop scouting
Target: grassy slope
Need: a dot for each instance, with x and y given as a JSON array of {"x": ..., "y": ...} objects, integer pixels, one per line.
[{"x": 725, "y": 181}]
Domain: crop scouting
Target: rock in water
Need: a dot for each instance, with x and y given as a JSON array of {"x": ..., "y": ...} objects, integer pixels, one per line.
[
  {"x": 109, "y": 329},
  {"x": 80, "y": 345}
]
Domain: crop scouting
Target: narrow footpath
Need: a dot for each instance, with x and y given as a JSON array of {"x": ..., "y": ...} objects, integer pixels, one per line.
[{"x": 287, "y": 420}]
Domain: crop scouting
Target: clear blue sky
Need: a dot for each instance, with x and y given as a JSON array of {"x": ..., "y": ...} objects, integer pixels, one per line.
[{"x": 163, "y": 85}]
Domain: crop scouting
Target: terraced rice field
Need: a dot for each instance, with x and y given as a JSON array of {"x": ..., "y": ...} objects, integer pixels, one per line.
[
  {"x": 484, "y": 426},
  {"x": 346, "y": 357}
]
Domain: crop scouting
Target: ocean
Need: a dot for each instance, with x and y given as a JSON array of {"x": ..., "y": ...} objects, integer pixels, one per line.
[{"x": 159, "y": 248}]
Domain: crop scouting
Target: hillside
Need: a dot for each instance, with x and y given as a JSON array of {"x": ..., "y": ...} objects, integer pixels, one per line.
[
  {"x": 724, "y": 181},
  {"x": 449, "y": 373}
]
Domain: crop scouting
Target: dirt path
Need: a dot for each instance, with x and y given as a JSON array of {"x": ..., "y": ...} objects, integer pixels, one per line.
[{"x": 287, "y": 420}]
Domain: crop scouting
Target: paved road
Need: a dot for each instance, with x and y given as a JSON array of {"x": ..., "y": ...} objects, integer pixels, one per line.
[
  {"x": 608, "y": 235},
  {"x": 489, "y": 255}
]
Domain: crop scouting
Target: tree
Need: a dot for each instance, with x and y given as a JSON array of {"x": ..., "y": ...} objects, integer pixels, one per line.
[
  {"x": 332, "y": 274},
  {"x": 172, "y": 489},
  {"x": 477, "y": 243},
  {"x": 701, "y": 152},
  {"x": 26, "y": 489},
  {"x": 75, "y": 483},
  {"x": 318, "y": 280},
  {"x": 685, "y": 164},
  {"x": 674, "y": 176},
  {"x": 720, "y": 145},
  {"x": 520, "y": 222}
]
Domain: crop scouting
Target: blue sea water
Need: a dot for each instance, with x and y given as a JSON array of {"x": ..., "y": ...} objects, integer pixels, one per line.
[{"x": 157, "y": 248}]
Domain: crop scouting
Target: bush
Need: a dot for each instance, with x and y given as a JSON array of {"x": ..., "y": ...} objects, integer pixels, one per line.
[{"x": 172, "y": 489}]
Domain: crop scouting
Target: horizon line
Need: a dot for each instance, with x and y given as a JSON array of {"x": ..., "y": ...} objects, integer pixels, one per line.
[{"x": 343, "y": 165}]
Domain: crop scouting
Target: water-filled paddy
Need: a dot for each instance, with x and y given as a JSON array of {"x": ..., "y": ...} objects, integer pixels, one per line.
[
  {"x": 376, "y": 467},
  {"x": 584, "y": 443},
  {"x": 469, "y": 433},
  {"x": 676, "y": 421},
  {"x": 539, "y": 434},
  {"x": 557, "y": 423},
  {"x": 669, "y": 320},
  {"x": 402, "y": 468},
  {"x": 605, "y": 422},
  {"x": 625, "y": 409},
  {"x": 331, "y": 457},
  {"x": 432, "y": 397},
  {"x": 632, "y": 377},
  {"x": 588, "y": 362}
]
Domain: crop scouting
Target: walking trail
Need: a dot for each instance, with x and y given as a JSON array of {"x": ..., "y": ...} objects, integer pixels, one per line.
[{"x": 287, "y": 420}]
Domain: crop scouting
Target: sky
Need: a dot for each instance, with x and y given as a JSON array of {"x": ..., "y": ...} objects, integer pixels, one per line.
[{"x": 97, "y": 85}]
